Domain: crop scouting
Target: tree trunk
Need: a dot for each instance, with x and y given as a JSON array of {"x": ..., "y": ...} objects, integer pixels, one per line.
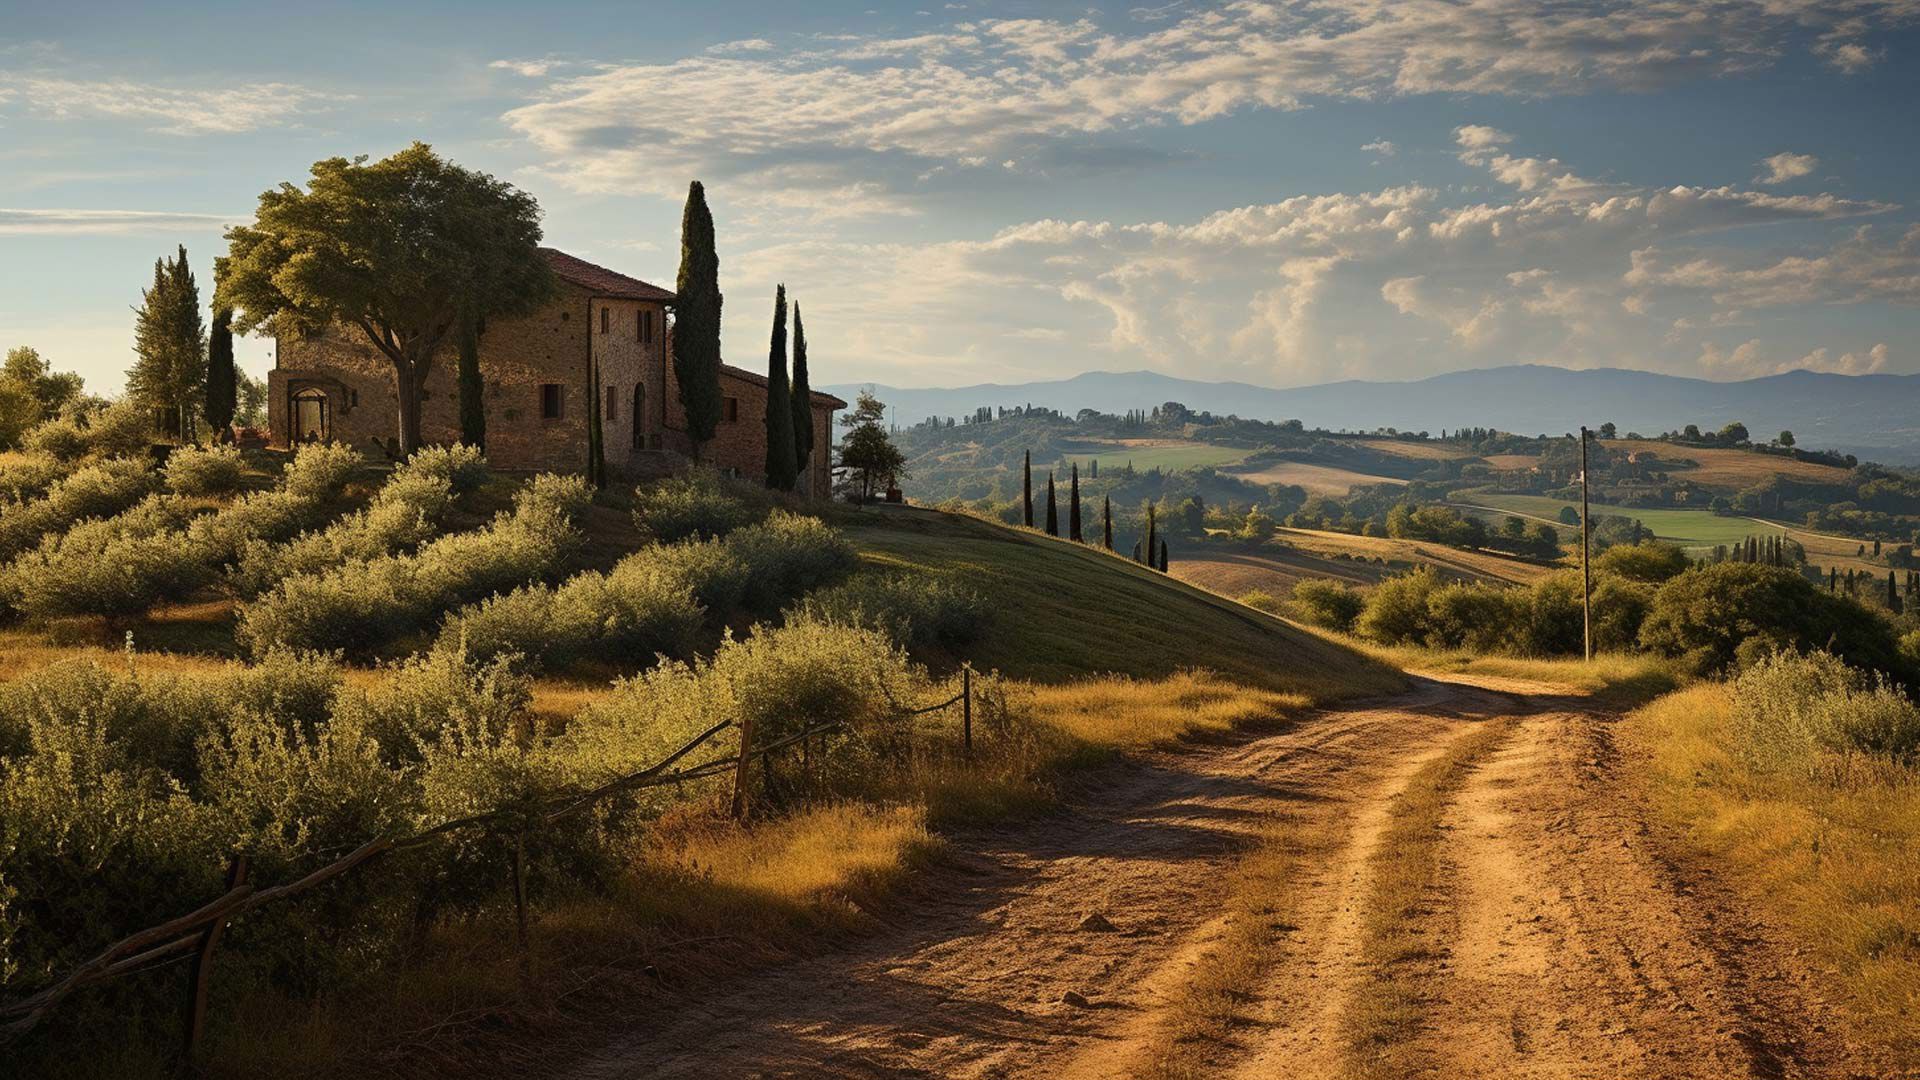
[{"x": 409, "y": 387}]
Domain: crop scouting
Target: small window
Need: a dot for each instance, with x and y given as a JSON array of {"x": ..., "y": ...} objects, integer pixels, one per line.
[
  {"x": 550, "y": 401},
  {"x": 613, "y": 404},
  {"x": 732, "y": 409},
  {"x": 646, "y": 327},
  {"x": 605, "y": 317}
]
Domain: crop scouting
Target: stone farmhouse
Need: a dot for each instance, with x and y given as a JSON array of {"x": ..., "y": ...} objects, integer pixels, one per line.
[{"x": 538, "y": 371}]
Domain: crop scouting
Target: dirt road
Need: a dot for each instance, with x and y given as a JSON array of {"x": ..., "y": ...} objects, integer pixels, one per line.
[{"x": 1562, "y": 937}]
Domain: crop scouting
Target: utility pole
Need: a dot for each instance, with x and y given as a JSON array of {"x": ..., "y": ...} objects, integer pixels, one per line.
[{"x": 1586, "y": 550}]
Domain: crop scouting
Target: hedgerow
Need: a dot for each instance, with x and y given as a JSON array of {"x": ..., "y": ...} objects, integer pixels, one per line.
[{"x": 363, "y": 607}]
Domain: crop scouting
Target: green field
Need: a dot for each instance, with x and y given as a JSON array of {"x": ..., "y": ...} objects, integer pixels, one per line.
[
  {"x": 1688, "y": 528},
  {"x": 1149, "y": 454}
]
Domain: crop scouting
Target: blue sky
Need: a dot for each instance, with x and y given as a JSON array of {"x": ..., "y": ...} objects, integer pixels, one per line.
[{"x": 1283, "y": 193}]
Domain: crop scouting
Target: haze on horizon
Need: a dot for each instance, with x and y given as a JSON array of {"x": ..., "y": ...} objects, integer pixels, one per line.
[{"x": 1281, "y": 194}]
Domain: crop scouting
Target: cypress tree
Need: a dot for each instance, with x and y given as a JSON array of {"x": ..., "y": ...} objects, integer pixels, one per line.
[
  {"x": 1893, "y": 594},
  {"x": 781, "y": 473},
  {"x": 1026, "y": 487},
  {"x": 1073, "y": 506},
  {"x": 696, "y": 327},
  {"x": 802, "y": 399},
  {"x": 1163, "y": 556},
  {"x": 1833, "y": 578},
  {"x": 1106, "y": 522},
  {"x": 473, "y": 402},
  {"x": 223, "y": 382},
  {"x": 1096, "y": 468},
  {"x": 1152, "y": 534},
  {"x": 1053, "y": 515},
  {"x": 169, "y": 373}
]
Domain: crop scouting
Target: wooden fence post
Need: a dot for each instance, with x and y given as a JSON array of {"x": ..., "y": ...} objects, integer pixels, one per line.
[
  {"x": 966, "y": 705},
  {"x": 740, "y": 773},
  {"x": 202, "y": 974},
  {"x": 520, "y": 906}
]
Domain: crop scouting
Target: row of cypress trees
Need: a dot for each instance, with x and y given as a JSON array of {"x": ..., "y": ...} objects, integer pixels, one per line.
[
  {"x": 1154, "y": 551},
  {"x": 789, "y": 403}
]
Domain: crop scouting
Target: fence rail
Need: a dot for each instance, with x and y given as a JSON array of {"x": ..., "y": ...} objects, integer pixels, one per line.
[{"x": 198, "y": 932}]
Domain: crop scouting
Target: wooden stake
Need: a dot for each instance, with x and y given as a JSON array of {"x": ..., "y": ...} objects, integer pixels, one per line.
[
  {"x": 966, "y": 705},
  {"x": 1586, "y": 570},
  {"x": 202, "y": 975},
  {"x": 740, "y": 773}
]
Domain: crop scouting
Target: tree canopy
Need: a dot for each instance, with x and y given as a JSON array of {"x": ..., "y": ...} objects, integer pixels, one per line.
[
  {"x": 696, "y": 325},
  {"x": 169, "y": 373},
  {"x": 406, "y": 249},
  {"x": 866, "y": 450}
]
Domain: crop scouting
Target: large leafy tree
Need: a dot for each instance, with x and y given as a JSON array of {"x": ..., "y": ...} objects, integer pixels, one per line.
[
  {"x": 866, "y": 451},
  {"x": 696, "y": 326},
  {"x": 407, "y": 250},
  {"x": 781, "y": 473},
  {"x": 169, "y": 371},
  {"x": 54, "y": 390},
  {"x": 802, "y": 398},
  {"x": 223, "y": 384}
]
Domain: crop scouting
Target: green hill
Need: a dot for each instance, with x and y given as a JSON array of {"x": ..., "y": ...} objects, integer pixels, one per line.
[{"x": 1063, "y": 611}]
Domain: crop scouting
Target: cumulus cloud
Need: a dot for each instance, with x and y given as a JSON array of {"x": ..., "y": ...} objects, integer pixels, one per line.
[
  {"x": 168, "y": 110},
  {"x": 893, "y": 111},
  {"x": 1783, "y": 167},
  {"x": 104, "y": 222},
  {"x": 1863, "y": 267},
  {"x": 1752, "y": 359},
  {"x": 1382, "y": 147}
]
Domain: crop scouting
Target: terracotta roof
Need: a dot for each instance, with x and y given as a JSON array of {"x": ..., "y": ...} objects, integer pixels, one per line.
[
  {"x": 601, "y": 281},
  {"x": 761, "y": 380}
]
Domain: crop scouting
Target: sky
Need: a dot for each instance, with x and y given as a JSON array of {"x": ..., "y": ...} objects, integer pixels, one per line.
[{"x": 1278, "y": 193}]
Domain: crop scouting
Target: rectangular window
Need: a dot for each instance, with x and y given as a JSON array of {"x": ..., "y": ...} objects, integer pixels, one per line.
[
  {"x": 732, "y": 407},
  {"x": 613, "y": 407},
  {"x": 646, "y": 327},
  {"x": 550, "y": 401},
  {"x": 604, "y": 317}
]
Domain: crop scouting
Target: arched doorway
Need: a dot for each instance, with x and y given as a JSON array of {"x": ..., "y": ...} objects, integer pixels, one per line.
[
  {"x": 634, "y": 417},
  {"x": 309, "y": 415}
]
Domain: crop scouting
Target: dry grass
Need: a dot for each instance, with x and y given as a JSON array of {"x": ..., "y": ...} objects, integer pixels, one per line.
[
  {"x": 1423, "y": 451},
  {"x": 1729, "y": 468},
  {"x": 1838, "y": 864},
  {"x": 1120, "y": 713},
  {"x": 1512, "y": 461},
  {"x": 1455, "y": 562},
  {"x": 1316, "y": 479},
  {"x": 1396, "y": 945},
  {"x": 1611, "y": 680}
]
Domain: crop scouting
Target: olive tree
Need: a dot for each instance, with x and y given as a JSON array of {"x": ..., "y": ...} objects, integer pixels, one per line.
[{"x": 409, "y": 251}]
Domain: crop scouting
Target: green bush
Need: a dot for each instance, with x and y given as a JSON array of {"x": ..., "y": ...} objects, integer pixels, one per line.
[
  {"x": 97, "y": 491},
  {"x": 1799, "y": 712},
  {"x": 588, "y": 617},
  {"x": 1707, "y": 613},
  {"x": 210, "y": 470},
  {"x": 697, "y": 504},
  {"x": 712, "y": 570},
  {"x": 61, "y": 438},
  {"x": 1479, "y": 616},
  {"x": 1652, "y": 561},
  {"x": 1396, "y": 612},
  {"x": 28, "y": 476},
  {"x": 463, "y": 469},
  {"x": 122, "y": 429},
  {"x": 1325, "y": 603},
  {"x": 320, "y": 470},
  {"x": 914, "y": 610},
  {"x": 786, "y": 555}
]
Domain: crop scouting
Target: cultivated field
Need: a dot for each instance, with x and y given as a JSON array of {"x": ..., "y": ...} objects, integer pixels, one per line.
[
  {"x": 1688, "y": 528},
  {"x": 1147, "y": 454},
  {"x": 1423, "y": 451},
  {"x": 1468, "y": 565},
  {"x": 1316, "y": 479},
  {"x": 1725, "y": 468}
]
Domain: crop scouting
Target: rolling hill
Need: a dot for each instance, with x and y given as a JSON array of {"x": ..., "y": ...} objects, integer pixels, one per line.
[{"x": 1876, "y": 417}]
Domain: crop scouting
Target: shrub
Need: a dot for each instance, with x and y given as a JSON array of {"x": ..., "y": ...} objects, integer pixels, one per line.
[
  {"x": 712, "y": 570},
  {"x": 61, "y": 438},
  {"x": 914, "y": 610},
  {"x": 103, "y": 568},
  {"x": 1396, "y": 612},
  {"x": 28, "y": 476},
  {"x": 463, "y": 469},
  {"x": 1795, "y": 712},
  {"x": 97, "y": 491},
  {"x": 1706, "y": 614},
  {"x": 122, "y": 429},
  {"x": 320, "y": 470},
  {"x": 1324, "y": 603},
  {"x": 212, "y": 470},
  {"x": 1479, "y": 616},
  {"x": 786, "y": 555},
  {"x": 585, "y": 618},
  {"x": 698, "y": 503},
  {"x": 1262, "y": 600},
  {"x": 1652, "y": 561}
]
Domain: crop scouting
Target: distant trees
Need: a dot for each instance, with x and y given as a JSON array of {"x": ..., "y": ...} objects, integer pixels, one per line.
[
  {"x": 866, "y": 451},
  {"x": 696, "y": 328},
  {"x": 223, "y": 385},
  {"x": 408, "y": 250},
  {"x": 1607, "y": 430},
  {"x": 1785, "y": 439},
  {"x": 169, "y": 371},
  {"x": 781, "y": 471}
]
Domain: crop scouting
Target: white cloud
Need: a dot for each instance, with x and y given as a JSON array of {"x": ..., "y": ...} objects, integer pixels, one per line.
[
  {"x": 167, "y": 110},
  {"x": 1859, "y": 269},
  {"x": 1783, "y": 167},
  {"x": 1382, "y": 147},
  {"x": 101, "y": 222},
  {"x": 744, "y": 45},
  {"x": 1750, "y": 360},
  {"x": 529, "y": 69},
  {"x": 1475, "y": 138}
]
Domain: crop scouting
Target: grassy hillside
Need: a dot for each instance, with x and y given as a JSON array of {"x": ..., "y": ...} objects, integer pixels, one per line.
[
  {"x": 1145, "y": 453},
  {"x": 1315, "y": 479},
  {"x": 1730, "y": 468},
  {"x": 1063, "y": 611}
]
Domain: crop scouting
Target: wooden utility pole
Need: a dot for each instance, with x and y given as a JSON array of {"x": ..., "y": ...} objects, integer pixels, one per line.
[{"x": 1586, "y": 551}]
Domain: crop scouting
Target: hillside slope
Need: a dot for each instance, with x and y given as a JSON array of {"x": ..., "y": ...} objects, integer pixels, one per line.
[{"x": 1063, "y": 611}]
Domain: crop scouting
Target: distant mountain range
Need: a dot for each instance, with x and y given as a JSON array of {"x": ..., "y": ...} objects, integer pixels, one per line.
[{"x": 1876, "y": 417}]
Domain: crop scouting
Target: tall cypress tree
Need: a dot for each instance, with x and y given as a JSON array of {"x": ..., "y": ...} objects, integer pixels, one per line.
[
  {"x": 1163, "y": 555},
  {"x": 803, "y": 433},
  {"x": 1106, "y": 522},
  {"x": 473, "y": 389},
  {"x": 1893, "y": 593},
  {"x": 1053, "y": 515},
  {"x": 781, "y": 473},
  {"x": 169, "y": 373},
  {"x": 1026, "y": 487},
  {"x": 1073, "y": 507},
  {"x": 223, "y": 382},
  {"x": 1153, "y": 534},
  {"x": 696, "y": 327}
]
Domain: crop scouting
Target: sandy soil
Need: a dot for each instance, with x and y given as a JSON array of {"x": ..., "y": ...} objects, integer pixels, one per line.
[{"x": 1571, "y": 943}]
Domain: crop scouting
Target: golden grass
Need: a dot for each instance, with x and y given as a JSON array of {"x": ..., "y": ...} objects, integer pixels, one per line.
[
  {"x": 1120, "y": 713},
  {"x": 1396, "y": 946},
  {"x": 1839, "y": 865},
  {"x": 1315, "y": 479},
  {"x": 1423, "y": 451},
  {"x": 1452, "y": 561},
  {"x": 1730, "y": 468}
]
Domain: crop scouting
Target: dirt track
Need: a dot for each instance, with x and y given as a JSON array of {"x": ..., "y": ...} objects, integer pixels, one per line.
[{"x": 1566, "y": 941}]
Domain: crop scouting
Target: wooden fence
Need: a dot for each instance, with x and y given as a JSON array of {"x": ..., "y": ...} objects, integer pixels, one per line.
[{"x": 197, "y": 934}]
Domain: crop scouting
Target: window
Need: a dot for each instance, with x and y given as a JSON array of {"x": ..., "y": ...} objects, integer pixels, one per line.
[
  {"x": 646, "y": 327},
  {"x": 731, "y": 409},
  {"x": 605, "y": 316},
  {"x": 613, "y": 404},
  {"x": 550, "y": 401}
]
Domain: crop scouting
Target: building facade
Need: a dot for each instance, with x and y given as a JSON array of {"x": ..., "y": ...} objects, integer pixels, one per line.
[{"x": 603, "y": 329}]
